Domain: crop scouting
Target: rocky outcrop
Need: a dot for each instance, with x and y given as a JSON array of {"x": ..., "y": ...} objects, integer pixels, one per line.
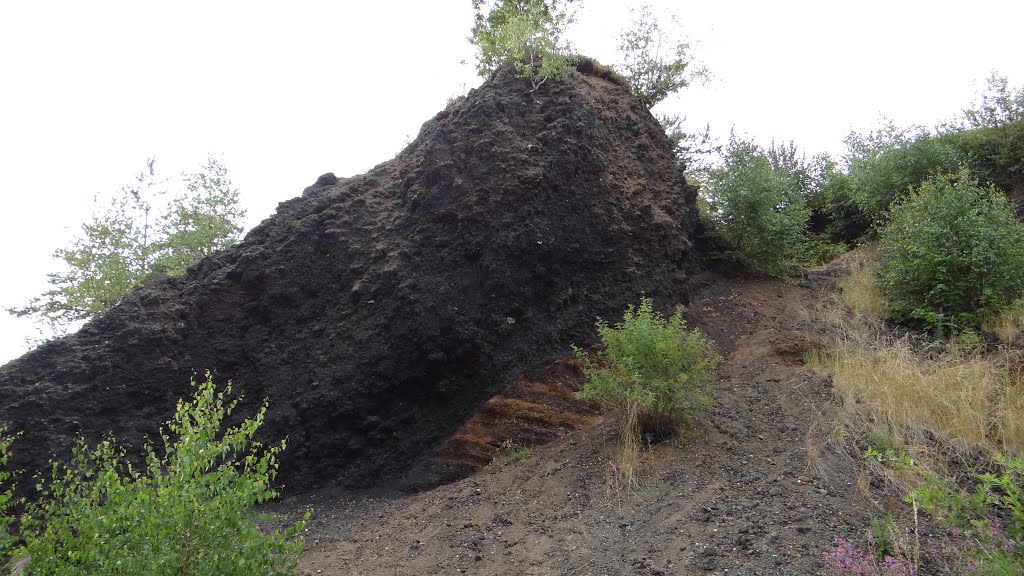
[{"x": 377, "y": 312}]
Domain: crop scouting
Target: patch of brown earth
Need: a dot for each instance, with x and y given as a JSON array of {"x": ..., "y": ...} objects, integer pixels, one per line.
[{"x": 753, "y": 488}]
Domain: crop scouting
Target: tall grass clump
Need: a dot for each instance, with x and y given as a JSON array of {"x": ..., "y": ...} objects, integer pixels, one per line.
[
  {"x": 1008, "y": 324},
  {"x": 654, "y": 370},
  {"x": 186, "y": 512},
  {"x": 1009, "y": 413},
  {"x": 958, "y": 397},
  {"x": 859, "y": 288}
]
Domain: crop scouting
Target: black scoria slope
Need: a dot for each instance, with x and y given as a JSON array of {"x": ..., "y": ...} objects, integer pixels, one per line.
[{"x": 377, "y": 312}]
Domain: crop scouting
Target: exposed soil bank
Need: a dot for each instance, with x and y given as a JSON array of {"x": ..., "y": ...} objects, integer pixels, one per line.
[{"x": 753, "y": 488}]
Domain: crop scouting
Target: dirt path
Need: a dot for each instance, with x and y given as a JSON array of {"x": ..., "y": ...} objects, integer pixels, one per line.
[{"x": 737, "y": 494}]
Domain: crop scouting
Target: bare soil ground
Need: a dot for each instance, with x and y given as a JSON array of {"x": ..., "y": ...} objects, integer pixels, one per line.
[{"x": 740, "y": 492}]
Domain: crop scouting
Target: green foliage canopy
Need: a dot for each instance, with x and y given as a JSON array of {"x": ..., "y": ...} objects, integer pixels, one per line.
[
  {"x": 655, "y": 64},
  {"x": 526, "y": 34},
  {"x": 952, "y": 254},
  {"x": 131, "y": 240},
  {"x": 883, "y": 165},
  {"x": 994, "y": 154},
  {"x": 886, "y": 163},
  {"x": 187, "y": 513},
  {"x": 756, "y": 205},
  {"x": 998, "y": 104},
  {"x": 200, "y": 221}
]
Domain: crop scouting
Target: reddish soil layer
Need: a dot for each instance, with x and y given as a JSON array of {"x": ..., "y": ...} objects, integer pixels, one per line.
[{"x": 531, "y": 411}]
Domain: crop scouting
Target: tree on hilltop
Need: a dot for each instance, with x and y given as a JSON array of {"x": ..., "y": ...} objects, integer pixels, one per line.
[
  {"x": 656, "y": 61},
  {"x": 998, "y": 104},
  {"x": 526, "y": 34}
]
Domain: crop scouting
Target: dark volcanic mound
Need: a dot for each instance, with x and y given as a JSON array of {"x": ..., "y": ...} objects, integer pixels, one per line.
[{"x": 376, "y": 313}]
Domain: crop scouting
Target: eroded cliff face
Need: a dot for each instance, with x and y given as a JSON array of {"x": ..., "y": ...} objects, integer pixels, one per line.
[{"x": 377, "y": 312}]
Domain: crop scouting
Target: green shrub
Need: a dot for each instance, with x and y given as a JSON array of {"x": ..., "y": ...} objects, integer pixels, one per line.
[
  {"x": 187, "y": 513},
  {"x": 655, "y": 371},
  {"x": 526, "y": 34},
  {"x": 886, "y": 164},
  {"x": 834, "y": 210},
  {"x": 756, "y": 206},
  {"x": 952, "y": 255},
  {"x": 7, "y": 539},
  {"x": 886, "y": 538},
  {"x": 994, "y": 154},
  {"x": 654, "y": 362},
  {"x": 820, "y": 250}
]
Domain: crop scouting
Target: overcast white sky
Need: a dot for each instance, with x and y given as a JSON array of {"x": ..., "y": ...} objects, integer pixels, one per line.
[{"x": 286, "y": 91}]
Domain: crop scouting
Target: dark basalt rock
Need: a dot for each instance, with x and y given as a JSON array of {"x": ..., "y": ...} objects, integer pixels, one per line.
[{"x": 377, "y": 312}]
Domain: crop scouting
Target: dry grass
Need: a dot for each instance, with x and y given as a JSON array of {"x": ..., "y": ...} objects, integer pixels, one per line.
[
  {"x": 951, "y": 389},
  {"x": 812, "y": 446},
  {"x": 951, "y": 397},
  {"x": 1008, "y": 325},
  {"x": 863, "y": 482},
  {"x": 630, "y": 448},
  {"x": 860, "y": 288},
  {"x": 1009, "y": 414},
  {"x": 962, "y": 398}
]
